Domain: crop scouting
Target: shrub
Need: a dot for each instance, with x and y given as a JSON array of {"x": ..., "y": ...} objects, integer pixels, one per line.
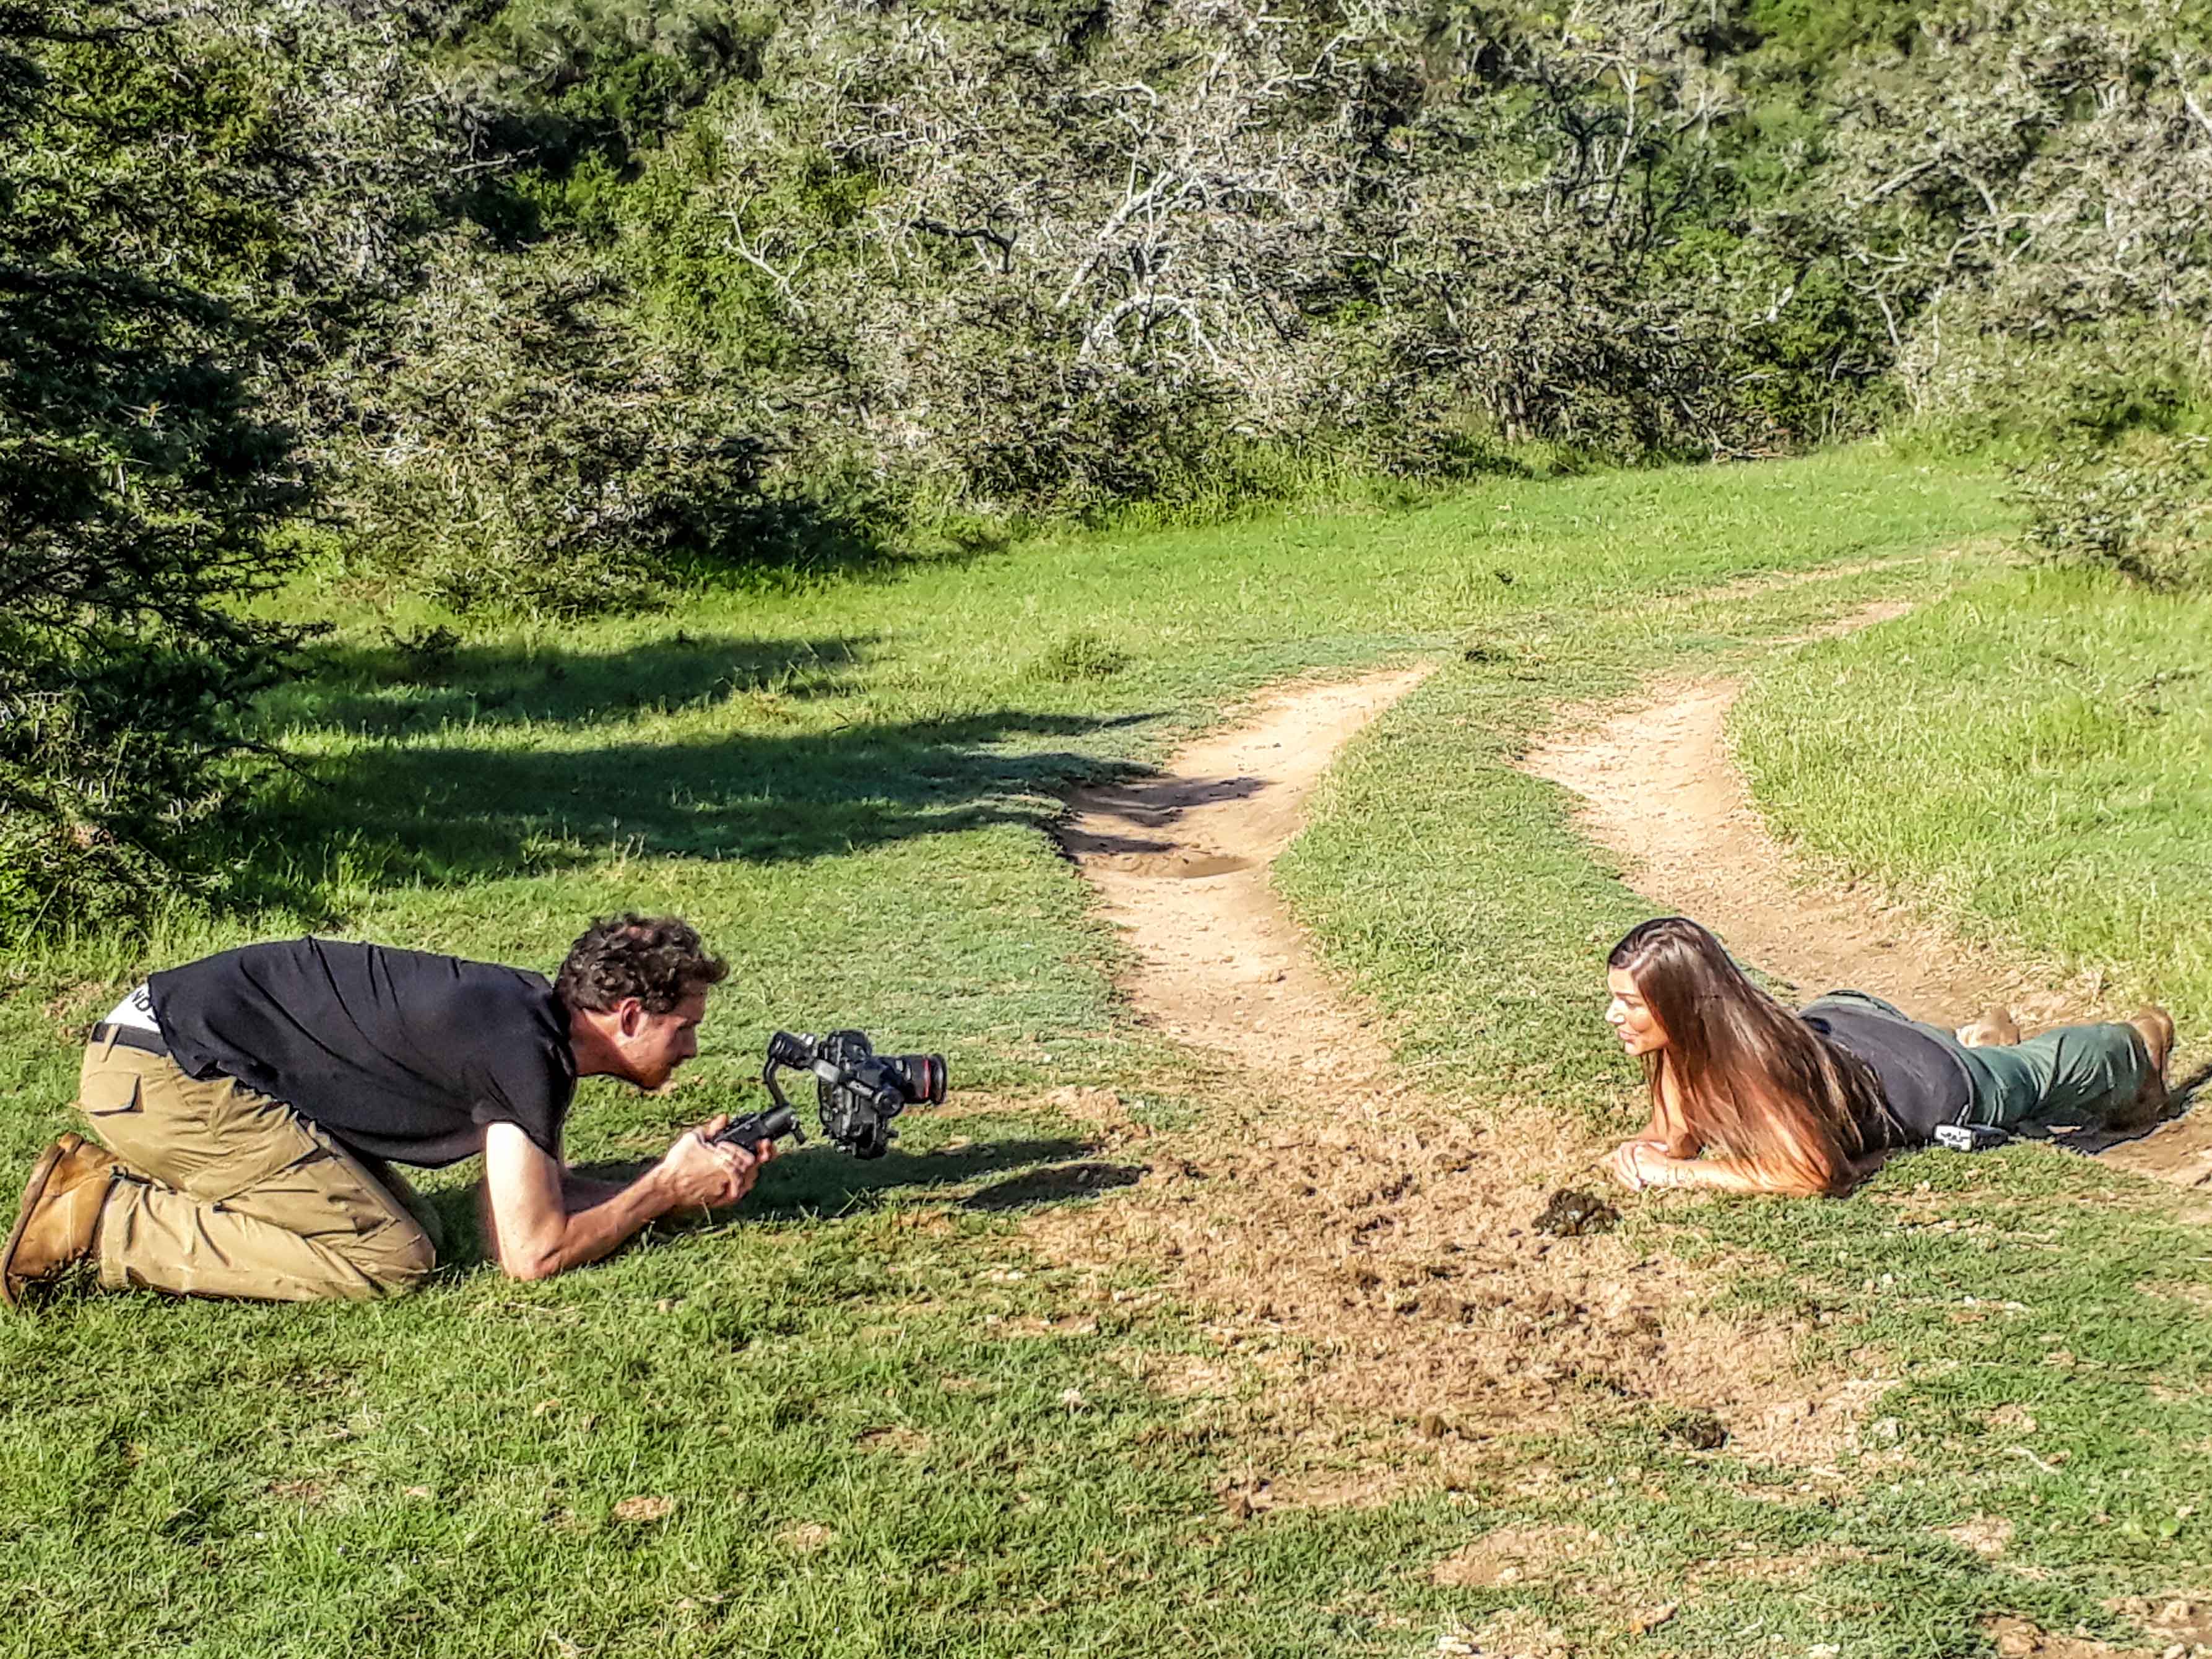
[
  {"x": 521, "y": 449},
  {"x": 191, "y": 201},
  {"x": 2143, "y": 508},
  {"x": 1082, "y": 655}
]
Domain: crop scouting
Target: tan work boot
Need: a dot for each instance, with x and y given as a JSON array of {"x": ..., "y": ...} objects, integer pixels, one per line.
[
  {"x": 2155, "y": 1026},
  {"x": 60, "y": 1214},
  {"x": 1992, "y": 1028}
]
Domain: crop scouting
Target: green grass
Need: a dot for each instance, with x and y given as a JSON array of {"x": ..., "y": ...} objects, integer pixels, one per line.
[
  {"x": 2031, "y": 758},
  {"x": 881, "y": 1422}
]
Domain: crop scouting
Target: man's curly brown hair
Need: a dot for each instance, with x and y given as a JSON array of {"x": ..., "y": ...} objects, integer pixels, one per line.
[{"x": 657, "y": 959}]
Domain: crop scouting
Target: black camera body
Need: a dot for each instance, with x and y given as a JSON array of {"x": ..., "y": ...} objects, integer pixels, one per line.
[{"x": 859, "y": 1091}]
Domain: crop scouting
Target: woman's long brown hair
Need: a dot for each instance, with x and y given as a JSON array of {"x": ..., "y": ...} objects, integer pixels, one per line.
[{"x": 1749, "y": 1076}]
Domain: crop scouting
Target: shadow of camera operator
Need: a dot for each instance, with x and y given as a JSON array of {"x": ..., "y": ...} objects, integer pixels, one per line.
[
  {"x": 1055, "y": 1185},
  {"x": 818, "y": 1180}
]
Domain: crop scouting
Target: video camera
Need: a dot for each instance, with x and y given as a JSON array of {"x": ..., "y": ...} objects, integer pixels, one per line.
[{"x": 861, "y": 1092}]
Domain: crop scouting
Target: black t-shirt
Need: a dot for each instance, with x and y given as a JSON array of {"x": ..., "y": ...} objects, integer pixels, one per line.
[
  {"x": 399, "y": 1053},
  {"x": 1924, "y": 1083}
]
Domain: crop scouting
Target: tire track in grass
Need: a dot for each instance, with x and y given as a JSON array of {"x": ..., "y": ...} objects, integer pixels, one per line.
[{"x": 1179, "y": 861}]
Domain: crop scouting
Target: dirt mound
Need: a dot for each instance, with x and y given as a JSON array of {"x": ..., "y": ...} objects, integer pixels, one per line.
[
  {"x": 1372, "y": 1252},
  {"x": 1663, "y": 792}
]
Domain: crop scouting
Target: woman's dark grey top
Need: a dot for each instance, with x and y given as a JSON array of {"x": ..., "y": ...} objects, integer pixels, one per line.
[{"x": 1921, "y": 1068}]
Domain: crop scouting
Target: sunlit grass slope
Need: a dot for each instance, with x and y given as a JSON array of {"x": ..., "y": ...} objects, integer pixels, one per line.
[
  {"x": 863, "y": 1416},
  {"x": 2032, "y": 756}
]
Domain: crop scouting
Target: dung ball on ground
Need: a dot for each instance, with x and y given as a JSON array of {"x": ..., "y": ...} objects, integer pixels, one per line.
[{"x": 1573, "y": 1212}]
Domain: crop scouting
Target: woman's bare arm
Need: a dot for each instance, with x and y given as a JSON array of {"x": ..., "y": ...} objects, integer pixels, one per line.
[
  {"x": 1637, "y": 1164},
  {"x": 1669, "y": 1129}
]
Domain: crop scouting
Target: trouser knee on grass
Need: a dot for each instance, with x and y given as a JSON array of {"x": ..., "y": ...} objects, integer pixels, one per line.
[{"x": 232, "y": 1194}]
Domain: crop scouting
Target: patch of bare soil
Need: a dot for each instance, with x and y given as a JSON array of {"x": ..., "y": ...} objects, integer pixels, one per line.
[
  {"x": 1984, "y": 1534},
  {"x": 2182, "y": 1623},
  {"x": 1180, "y": 860},
  {"x": 1514, "y": 1634},
  {"x": 2019, "y": 1639},
  {"x": 1368, "y": 1251},
  {"x": 1663, "y": 792},
  {"x": 1513, "y": 1555}
]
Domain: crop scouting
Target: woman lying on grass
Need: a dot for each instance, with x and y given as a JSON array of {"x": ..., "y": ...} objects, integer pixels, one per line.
[{"x": 1804, "y": 1103}]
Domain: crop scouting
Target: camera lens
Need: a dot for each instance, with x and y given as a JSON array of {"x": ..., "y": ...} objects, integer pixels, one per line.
[{"x": 923, "y": 1076}]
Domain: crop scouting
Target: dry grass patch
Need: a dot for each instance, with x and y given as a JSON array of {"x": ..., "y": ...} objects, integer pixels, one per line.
[
  {"x": 1984, "y": 1534},
  {"x": 2021, "y": 1638},
  {"x": 1376, "y": 1256},
  {"x": 2183, "y": 1619}
]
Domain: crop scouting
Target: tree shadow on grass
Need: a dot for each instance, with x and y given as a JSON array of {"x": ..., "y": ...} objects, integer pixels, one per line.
[
  {"x": 419, "y": 682},
  {"x": 445, "y": 813}
]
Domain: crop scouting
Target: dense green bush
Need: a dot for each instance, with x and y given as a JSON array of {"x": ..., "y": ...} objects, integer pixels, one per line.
[
  {"x": 1045, "y": 259},
  {"x": 189, "y": 202},
  {"x": 521, "y": 449},
  {"x": 2141, "y": 506},
  {"x": 2023, "y": 195},
  {"x": 564, "y": 79}
]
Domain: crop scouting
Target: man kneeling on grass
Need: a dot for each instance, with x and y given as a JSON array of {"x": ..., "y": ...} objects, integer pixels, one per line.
[{"x": 253, "y": 1101}]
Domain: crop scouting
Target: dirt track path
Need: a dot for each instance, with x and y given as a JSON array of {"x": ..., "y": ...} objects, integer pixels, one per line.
[
  {"x": 1367, "y": 1251},
  {"x": 1370, "y": 1248},
  {"x": 1180, "y": 860},
  {"x": 1661, "y": 791}
]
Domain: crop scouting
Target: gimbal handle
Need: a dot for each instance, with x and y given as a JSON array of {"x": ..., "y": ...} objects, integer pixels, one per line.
[
  {"x": 784, "y": 1049},
  {"x": 754, "y": 1127}
]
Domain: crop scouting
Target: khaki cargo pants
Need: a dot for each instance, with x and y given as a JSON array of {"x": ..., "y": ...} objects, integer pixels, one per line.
[{"x": 231, "y": 1194}]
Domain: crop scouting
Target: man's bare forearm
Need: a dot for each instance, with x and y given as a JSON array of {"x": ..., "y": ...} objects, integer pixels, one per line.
[
  {"x": 545, "y": 1220},
  {"x": 599, "y": 1229},
  {"x": 580, "y": 1193}
]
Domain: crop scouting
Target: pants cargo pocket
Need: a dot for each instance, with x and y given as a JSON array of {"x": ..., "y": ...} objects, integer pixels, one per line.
[
  {"x": 104, "y": 1092},
  {"x": 114, "y": 1107}
]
